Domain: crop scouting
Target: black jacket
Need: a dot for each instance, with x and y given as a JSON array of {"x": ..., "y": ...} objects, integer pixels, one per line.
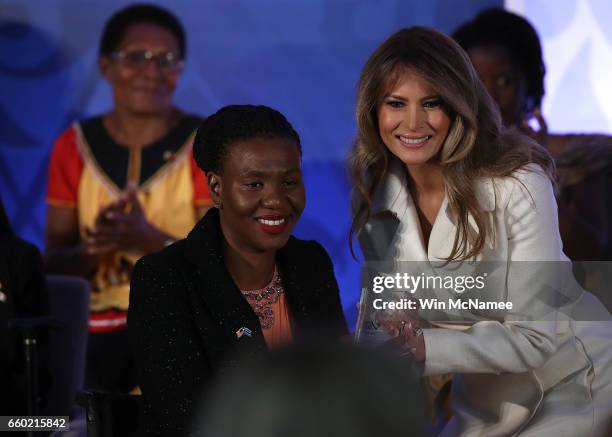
[{"x": 185, "y": 310}]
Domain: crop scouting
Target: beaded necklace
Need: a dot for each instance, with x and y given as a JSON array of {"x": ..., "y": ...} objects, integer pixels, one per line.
[{"x": 262, "y": 299}]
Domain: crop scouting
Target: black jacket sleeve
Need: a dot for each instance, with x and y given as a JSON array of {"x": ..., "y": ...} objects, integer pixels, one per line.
[
  {"x": 172, "y": 366},
  {"x": 331, "y": 308}
]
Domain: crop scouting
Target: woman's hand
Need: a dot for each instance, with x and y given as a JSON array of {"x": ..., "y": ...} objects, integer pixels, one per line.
[
  {"x": 407, "y": 337},
  {"x": 123, "y": 226},
  {"x": 98, "y": 239},
  {"x": 541, "y": 134}
]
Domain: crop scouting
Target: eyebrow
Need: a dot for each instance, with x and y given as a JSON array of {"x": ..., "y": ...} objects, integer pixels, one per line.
[
  {"x": 259, "y": 173},
  {"x": 398, "y": 97}
]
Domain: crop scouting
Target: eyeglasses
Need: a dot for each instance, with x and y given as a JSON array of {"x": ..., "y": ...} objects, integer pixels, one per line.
[{"x": 138, "y": 58}]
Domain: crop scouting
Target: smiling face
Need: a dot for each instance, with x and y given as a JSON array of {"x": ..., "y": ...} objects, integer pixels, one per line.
[
  {"x": 261, "y": 193},
  {"x": 412, "y": 120},
  {"x": 142, "y": 88}
]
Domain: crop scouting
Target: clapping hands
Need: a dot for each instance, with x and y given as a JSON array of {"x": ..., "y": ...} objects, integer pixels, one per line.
[{"x": 123, "y": 226}]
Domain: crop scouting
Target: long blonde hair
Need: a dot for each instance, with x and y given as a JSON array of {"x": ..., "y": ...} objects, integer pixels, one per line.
[{"x": 476, "y": 145}]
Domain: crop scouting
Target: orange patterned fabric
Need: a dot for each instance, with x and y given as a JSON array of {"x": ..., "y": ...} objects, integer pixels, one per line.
[
  {"x": 280, "y": 332},
  {"x": 66, "y": 166},
  {"x": 65, "y": 170},
  {"x": 169, "y": 198}
]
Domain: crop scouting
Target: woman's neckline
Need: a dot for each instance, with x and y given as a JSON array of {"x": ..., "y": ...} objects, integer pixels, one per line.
[{"x": 175, "y": 118}]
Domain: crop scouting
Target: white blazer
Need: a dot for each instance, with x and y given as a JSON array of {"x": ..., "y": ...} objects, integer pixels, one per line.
[{"x": 511, "y": 377}]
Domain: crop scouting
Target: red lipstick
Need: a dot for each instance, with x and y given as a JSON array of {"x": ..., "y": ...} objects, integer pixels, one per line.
[{"x": 273, "y": 224}]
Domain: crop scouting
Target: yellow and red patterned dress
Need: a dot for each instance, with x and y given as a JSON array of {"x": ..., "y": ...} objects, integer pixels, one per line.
[{"x": 88, "y": 170}]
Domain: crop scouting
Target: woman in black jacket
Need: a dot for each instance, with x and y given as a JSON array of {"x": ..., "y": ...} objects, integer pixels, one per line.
[{"x": 239, "y": 284}]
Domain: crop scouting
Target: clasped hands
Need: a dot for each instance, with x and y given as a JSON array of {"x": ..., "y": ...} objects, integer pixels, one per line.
[
  {"x": 408, "y": 337},
  {"x": 123, "y": 226}
]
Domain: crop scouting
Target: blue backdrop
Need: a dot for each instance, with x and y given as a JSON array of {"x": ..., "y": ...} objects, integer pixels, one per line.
[{"x": 302, "y": 57}]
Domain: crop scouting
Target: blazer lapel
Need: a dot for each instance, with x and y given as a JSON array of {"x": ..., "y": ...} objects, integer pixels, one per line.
[
  {"x": 394, "y": 212},
  {"x": 442, "y": 234},
  {"x": 393, "y": 209},
  {"x": 410, "y": 241},
  {"x": 296, "y": 286},
  {"x": 444, "y": 228},
  {"x": 237, "y": 327}
]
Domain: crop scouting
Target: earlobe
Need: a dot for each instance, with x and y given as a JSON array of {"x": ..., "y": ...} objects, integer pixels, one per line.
[{"x": 214, "y": 186}]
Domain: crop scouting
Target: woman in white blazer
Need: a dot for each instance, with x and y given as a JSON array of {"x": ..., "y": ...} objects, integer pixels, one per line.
[{"x": 438, "y": 179}]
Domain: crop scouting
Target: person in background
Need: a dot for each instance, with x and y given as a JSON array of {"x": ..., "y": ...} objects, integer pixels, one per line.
[
  {"x": 124, "y": 184},
  {"x": 239, "y": 284},
  {"x": 506, "y": 52},
  {"x": 22, "y": 294},
  {"x": 440, "y": 182}
]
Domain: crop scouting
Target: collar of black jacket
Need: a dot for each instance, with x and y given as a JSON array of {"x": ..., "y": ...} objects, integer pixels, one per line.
[
  {"x": 204, "y": 245},
  {"x": 216, "y": 288}
]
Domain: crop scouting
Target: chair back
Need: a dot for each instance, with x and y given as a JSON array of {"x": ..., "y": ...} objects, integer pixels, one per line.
[
  {"x": 67, "y": 347},
  {"x": 110, "y": 414}
]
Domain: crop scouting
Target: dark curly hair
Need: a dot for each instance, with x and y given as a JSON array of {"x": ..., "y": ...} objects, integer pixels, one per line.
[
  {"x": 497, "y": 27},
  {"x": 237, "y": 123},
  {"x": 118, "y": 24}
]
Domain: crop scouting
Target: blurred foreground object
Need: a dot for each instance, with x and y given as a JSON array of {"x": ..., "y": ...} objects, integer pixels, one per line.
[{"x": 318, "y": 390}]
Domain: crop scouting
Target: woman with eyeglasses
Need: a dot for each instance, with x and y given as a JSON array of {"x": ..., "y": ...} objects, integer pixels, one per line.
[{"x": 123, "y": 184}]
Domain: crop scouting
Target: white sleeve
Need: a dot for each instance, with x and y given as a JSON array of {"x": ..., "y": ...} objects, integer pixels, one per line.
[{"x": 516, "y": 343}]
